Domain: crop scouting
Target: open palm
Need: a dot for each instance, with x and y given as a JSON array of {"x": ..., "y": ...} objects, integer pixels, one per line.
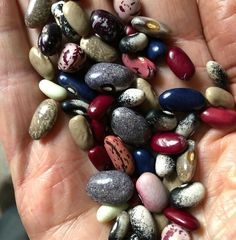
[{"x": 50, "y": 175}]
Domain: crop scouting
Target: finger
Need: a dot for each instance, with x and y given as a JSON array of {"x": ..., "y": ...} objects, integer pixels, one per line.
[
  {"x": 17, "y": 79},
  {"x": 218, "y": 19}
]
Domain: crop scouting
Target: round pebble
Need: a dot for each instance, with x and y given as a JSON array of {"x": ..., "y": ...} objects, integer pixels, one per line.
[
  {"x": 110, "y": 187},
  {"x": 154, "y": 197}
]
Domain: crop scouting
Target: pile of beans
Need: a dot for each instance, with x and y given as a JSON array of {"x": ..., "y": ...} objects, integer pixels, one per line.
[{"x": 140, "y": 144}]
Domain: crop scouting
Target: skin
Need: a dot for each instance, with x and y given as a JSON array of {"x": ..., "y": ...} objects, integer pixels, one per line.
[{"x": 50, "y": 175}]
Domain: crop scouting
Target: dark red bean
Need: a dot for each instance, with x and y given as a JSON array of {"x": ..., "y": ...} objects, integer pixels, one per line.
[
  {"x": 99, "y": 106},
  {"x": 219, "y": 117},
  {"x": 99, "y": 158},
  {"x": 168, "y": 143},
  {"x": 182, "y": 218},
  {"x": 180, "y": 63}
]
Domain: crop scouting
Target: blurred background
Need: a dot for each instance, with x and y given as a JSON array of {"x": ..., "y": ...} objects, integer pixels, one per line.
[{"x": 11, "y": 227}]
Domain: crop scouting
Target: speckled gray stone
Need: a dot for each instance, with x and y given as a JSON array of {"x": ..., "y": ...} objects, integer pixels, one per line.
[
  {"x": 43, "y": 119},
  {"x": 38, "y": 13},
  {"x": 120, "y": 227},
  {"x": 187, "y": 195},
  {"x": 143, "y": 223},
  {"x": 133, "y": 43},
  {"x": 66, "y": 29},
  {"x": 108, "y": 77},
  {"x": 164, "y": 165},
  {"x": 217, "y": 73},
  {"x": 131, "y": 127},
  {"x": 110, "y": 187},
  {"x": 161, "y": 120},
  {"x": 131, "y": 97},
  {"x": 187, "y": 126}
]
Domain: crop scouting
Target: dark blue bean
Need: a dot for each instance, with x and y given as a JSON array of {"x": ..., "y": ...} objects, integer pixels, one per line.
[
  {"x": 156, "y": 49},
  {"x": 75, "y": 85},
  {"x": 144, "y": 161},
  {"x": 182, "y": 100}
]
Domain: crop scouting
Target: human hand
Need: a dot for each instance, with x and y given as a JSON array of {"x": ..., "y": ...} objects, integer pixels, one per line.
[{"x": 50, "y": 175}]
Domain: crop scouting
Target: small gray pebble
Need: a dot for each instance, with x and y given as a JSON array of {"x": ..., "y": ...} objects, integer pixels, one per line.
[
  {"x": 187, "y": 195},
  {"x": 131, "y": 127},
  {"x": 143, "y": 223},
  {"x": 110, "y": 187},
  {"x": 109, "y": 77}
]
